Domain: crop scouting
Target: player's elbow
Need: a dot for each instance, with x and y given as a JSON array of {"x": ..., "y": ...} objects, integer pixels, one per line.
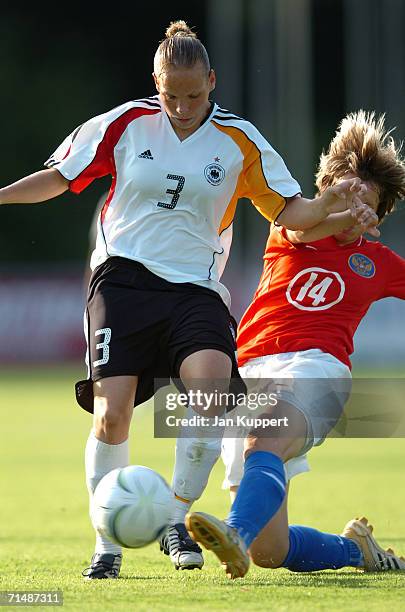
[
  {"x": 294, "y": 217},
  {"x": 59, "y": 182},
  {"x": 301, "y": 214}
]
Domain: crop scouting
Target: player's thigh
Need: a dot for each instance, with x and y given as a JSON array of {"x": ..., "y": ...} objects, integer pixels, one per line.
[
  {"x": 115, "y": 393},
  {"x": 202, "y": 341},
  {"x": 202, "y": 347},
  {"x": 315, "y": 383},
  {"x": 113, "y": 406},
  {"x": 284, "y": 436},
  {"x": 205, "y": 375},
  {"x": 207, "y": 365},
  {"x": 124, "y": 320}
]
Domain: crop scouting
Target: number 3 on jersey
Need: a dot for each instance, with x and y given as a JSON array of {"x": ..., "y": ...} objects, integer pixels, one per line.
[
  {"x": 104, "y": 345},
  {"x": 173, "y": 192},
  {"x": 315, "y": 289}
]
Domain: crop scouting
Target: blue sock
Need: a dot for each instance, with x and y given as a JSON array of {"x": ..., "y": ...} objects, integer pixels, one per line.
[
  {"x": 260, "y": 495},
  {"x": 311, "y": 550}
]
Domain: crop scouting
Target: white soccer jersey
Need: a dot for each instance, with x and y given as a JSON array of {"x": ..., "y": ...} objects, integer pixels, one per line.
[{"x": 171, "y": 203}]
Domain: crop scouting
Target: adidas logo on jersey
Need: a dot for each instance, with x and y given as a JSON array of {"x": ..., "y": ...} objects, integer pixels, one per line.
[{"x": 146, "y": 154}]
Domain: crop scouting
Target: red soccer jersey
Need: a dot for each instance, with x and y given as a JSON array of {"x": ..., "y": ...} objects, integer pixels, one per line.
[{"x": 315, "y": 295}]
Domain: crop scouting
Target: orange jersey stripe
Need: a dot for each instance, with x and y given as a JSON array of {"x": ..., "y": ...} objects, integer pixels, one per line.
[{"x": 252, "y": 183}]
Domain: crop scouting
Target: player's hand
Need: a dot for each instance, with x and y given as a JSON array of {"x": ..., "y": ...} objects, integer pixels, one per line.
[
  {"x": 341, "y": 197},
  {"x": 366, "y": 220}
]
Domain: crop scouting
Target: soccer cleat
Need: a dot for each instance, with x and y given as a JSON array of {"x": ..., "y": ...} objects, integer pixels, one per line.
[
  {"x": 223, "y": 540},
  {"x": 376, "y": 559},
  {"x": 103, "y": 565},
  {"x": 184, "y": 553}
]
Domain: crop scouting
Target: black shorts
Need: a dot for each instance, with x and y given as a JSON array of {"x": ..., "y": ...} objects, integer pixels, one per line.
[{"x": 140, "y": 324}]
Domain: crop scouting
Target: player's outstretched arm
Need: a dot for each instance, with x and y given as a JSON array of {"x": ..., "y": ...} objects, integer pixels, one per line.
[
  {"x": 301, "y": 213},
  {"x": 361, "y": 218},
  {"x": 37, "y": 187}
]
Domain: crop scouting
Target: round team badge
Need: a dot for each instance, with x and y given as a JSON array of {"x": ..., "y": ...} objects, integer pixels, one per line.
[
  {"x": 214, "y": 173},
  {"x": 362, "y": 265}
]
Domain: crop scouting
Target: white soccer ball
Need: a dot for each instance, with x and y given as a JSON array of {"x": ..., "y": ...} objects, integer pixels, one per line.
[{"x": 131, "y": 506}]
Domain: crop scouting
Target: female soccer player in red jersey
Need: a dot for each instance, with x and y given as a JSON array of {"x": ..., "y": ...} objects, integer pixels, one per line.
[{"x": 299, "y": 330}]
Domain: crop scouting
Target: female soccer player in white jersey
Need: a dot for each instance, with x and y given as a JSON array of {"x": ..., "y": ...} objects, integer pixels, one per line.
[
  {"x": 312, "y": 295},
  {"x": 156, "y": 307}
]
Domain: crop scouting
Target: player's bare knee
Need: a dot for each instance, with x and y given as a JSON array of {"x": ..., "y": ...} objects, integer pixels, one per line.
[
  {"x": 268, "y": 557},
  {"x": 211, "y": 369},
  {"x": 109, "y": 417},
  {"x": 254, "y": 443},
  {"x": 269, "y": 553}
]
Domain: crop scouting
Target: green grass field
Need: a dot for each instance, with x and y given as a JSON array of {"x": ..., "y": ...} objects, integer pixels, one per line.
[{"x": 46, "y": 539}]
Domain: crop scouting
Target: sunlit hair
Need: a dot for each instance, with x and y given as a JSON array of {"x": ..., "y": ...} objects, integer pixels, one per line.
[
  {"x": 363, "y": 147},
  {"x": 181, "y": 47}
]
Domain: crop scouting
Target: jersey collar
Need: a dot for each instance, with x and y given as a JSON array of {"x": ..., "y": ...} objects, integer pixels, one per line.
[
  {"x": 331, "y": 243},
  {"x": 203, "y": 124}
]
